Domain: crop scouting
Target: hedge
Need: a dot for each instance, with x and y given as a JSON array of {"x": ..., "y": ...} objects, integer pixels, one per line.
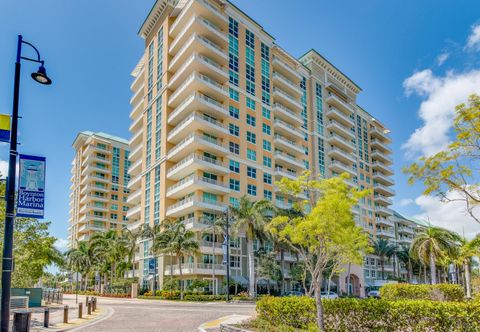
[
  {"x": 204, "y": 298},
  {"x": 439, "y": 292},
  {"x": 363, "y": 315}
]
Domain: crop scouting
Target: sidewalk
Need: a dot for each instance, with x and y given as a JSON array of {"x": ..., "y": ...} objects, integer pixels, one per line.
[{"x": 56, "y": 315}]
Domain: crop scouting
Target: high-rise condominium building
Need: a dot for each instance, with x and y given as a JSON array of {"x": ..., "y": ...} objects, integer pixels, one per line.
[
  {"x": 221, "y": 111},
  {"x": 98, "y": 198}
]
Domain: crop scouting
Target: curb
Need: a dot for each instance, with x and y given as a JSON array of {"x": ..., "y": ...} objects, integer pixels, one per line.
[{"x": 215, "y": 324}]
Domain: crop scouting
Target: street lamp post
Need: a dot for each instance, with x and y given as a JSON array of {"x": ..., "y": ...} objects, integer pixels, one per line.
[{"x": 7, "y": 261}]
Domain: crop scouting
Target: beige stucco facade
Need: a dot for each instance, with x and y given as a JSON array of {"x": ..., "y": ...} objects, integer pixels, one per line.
[
  {"x": 219, "y": 110},
  {"x": 98, "y": 198}
]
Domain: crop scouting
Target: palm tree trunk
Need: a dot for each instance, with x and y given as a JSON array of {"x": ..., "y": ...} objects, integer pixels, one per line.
[
  {"x": 425, "y": 274},
  {"x": 251, "y": 268},
  {"x": 382, "y": 264},
  {"x": 171, "y": 272},
  {"x": 181, "y": 280},
  {"x": 213, "y": 265},
  {"x": 468, "y": 285},
  {"x": 409, "y": 271},
  {"x": 433, "y": 269},
  {"x": 394, "y": 266}
]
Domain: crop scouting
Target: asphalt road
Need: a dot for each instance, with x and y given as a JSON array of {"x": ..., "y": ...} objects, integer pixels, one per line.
[{"x": 151, "y": 315}]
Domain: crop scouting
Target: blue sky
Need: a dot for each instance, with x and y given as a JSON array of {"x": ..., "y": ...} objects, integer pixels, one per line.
[{"x": 91, "y": 49}]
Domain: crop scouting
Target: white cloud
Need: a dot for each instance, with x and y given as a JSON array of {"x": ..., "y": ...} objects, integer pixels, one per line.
[
  {"x": 473, "y": 41},
  {"x": 442, "y": 58},
  {"x": 3, "y": 168},
  {"x": 406, "y": 202},
  {"x": 449, "y": 215},
  {"x": 61, "y": 244},
  {"x": 442, "y": 94}
]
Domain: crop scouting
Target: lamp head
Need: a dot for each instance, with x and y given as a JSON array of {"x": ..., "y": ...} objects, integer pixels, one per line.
[{"x": 41, "y": 76}]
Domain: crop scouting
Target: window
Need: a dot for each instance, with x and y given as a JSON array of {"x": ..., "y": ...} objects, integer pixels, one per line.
[
  {"x": 267, "y": 178},
  {"x": 234, "y": 112},
  {"x": 234, "y": 148},
  {"x": 267, "y": 145},
  {"x": 252, "y": 190},
  {"x": 251, "y": 154},
  {"x": 114, "y": 197},
  {"x": 234, "y": 201},
  {"x": 234, "y": 185},
  {"x": 267, "y": 194},
  {"x": 251, "y": 172},
  {"x": 266, "y": 113},
  {"x": 250, "y": 87},
  {"x": 235, "y": 261},
  {"x": 250, "y": 39},
  {"x": 113, "y": 216},
  {"x": 251, "y": 103},
  {"x": 267, "y": 161},
  {"x": 235, "y": 166},
  {"x": 234, "y": 130},
  {"x": 234, "y": 94},
  {"x": 233, "y": 27},
  {"x": 251, "y": 137},
  {"x": 233, "y": 77},
  {"x": 266, "y": 129},
  {"x": 209, "y": 197},
  {"x": 251, "y": 120},
  {"x": 114, "y": 207}
]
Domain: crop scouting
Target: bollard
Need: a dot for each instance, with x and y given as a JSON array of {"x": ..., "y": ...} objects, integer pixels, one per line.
[
  {"x": 46, "y": 317},
  {"x": 94, "y": 304},
  {"x": 65, "y": 314},
  {"x": 21, "y": 321},
  {"x": 89, "y": 308},
  {"x": 80, "y": 310}
]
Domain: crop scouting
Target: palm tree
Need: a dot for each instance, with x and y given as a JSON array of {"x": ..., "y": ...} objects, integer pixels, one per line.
[
  {"x": 430, "y": 245},
  {"x": 250, "y": 218},
  {"x": 182, "y": 243},
  {"x": 403, "y": 255},
  {"x": 130, "y": 240},
  {"x": 465, "y": 253},
  {"x": 79, "y": 259},
  {"x": 153, "y": 233},
  {"x": 216, "y": 227},
  {"x": 384, "y": 249},
  {"x": 107, "y": 250}
]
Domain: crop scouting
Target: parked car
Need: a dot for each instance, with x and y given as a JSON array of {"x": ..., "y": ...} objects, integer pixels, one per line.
[
  {"x": 329, "y": 295},
  {"x": 374, "y": 293},
  {"x": 293, "y": 293}
]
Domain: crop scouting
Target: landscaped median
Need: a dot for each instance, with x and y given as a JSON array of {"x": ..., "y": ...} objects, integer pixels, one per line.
[{"x": 363, "y": 315}]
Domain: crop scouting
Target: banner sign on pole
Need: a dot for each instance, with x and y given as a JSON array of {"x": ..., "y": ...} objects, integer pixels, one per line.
[
  {"x": 31, "y": 187},
  {"x": 4, "y": 128}
]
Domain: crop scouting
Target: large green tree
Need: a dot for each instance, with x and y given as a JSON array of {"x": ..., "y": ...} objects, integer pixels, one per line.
[
  {"x": 250, "y": 219},
  {"x": 384, "y": 249},
  {"x": 327, "y": 232},
  {"x": 452, "y": 174},
  {"x": 466, "y": 251},
  {"x": 80, "y": 260}
]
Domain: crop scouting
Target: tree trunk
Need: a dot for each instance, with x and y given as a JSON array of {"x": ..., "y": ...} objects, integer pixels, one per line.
[
  {"x": 425, "y": 274},
  {"x": 171, "y": 273},
  {"x": 282, "y": 280},
  {"x": 382, "y": 265},
  {"x": 213, "y": 265},
  {"x": 251, "y": 268},
  {"x": 318, "y": 301},
  {"x": 409, "y": 271},
  {"x": 433, "y": 273},
  {"x": 348, "y": 280},
  {"x": 394, "y": 266},
  {"x": 181, "y": 280},
  {"x": 468, "y": 285}
]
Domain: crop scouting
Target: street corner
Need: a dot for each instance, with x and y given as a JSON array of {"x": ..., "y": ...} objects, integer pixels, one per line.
[
  {"x": 215, "y": 324},
  {"x": 78, "y": 324}
]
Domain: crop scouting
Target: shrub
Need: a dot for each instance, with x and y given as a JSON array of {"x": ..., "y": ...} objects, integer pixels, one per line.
[
  {"x": 342, "y": 315},
  {"x": 204, "y": 298},
  {"x": 439, "y": 292}
]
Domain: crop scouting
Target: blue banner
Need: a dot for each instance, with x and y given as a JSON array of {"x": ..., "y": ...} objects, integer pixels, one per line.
[{"x": 31, "y": 187}]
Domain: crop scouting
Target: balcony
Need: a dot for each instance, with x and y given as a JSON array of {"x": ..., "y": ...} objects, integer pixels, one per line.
[
  {"x": 287, "y": 129},
  {"x": 406, "y": 230},
  {"x": 93, "y": 149},
  {"x": 196, "y": 224},
  {"x": 134, "y": 198},
  {"x": 339, "y": 116},
  {"x": 136, "y": 153},
  {"x": 382, "y": 134},
  {"x": 384, "y": 190},
  {"x": 283, "y": 205},
  {"x": 137, "y": 98},
  {"x": 134, "y": 213},
  {"x": 404, "y": 240},
  {"x": 136, "y": 138},
  {"x": 136, "y": 123},
  {"x": 341, "y": 142},
  {"x": 384, "y": 233},
  {"x": 340, "y": 129},
  {"x": 339, "y": 154},
  {"x": 202, "y": 8},
  {"x": 206, "y": 247},
  {"x": 134, "y": 182},
  {"x": 286, "y": 114},
  {"x": 286, "y": 84},
  {"x": 288, "y": 145},
  {"x": 383, "y": 179},
  {"x": 280, "y": 66},
  {"x": 340, "y": 104},
  {"x": 194, "y": 142},
  {"x": 379, "y": 166},
  {"x": 201, "y": 64},
  {"x": 193, "y": 183},
  {"x": 195, "y": 122},
  {"x": 195, "y": 269},
  {"x": 195, "y": 162},
  {"x": 384, "y": 222},
  {"x": 289, "y": 160},
  {"x": 202, "y": 45},
  {"x": 282, "y": 172},
  {"x": 202, "y": 26},
  {"x": 286, "y": 99},
  {"x": 136, "y": 168},
  {"x": 191, "y": 204},
  {"x": 379, "y": 155},
  {"x": 198, "y": 82},
  {"x": 88, "y": 188},
  {"x": 198, "y": 101},
  {"x": 383, "y": 211},
  {"x": 383, "y": 200},
  {"x": 375, "y": 143},
  {"x": 339, "y": 167}
]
